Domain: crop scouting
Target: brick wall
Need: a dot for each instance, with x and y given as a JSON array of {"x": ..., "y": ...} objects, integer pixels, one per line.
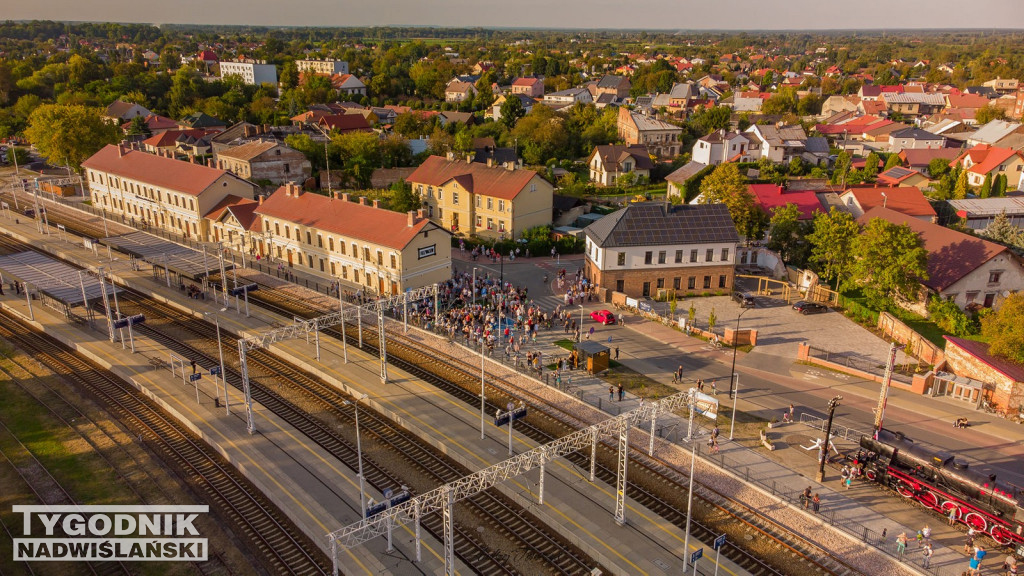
[
  {"x": 633, "y": 280},
  {"x": 916, "y": 345},
  {"x": 999, "y": 388}
]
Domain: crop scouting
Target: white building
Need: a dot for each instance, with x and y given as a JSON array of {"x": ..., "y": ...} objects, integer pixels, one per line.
[
  {"x": 723, "y": 146},
  {"x": 253, "y": 72},
  {"x": 329, "y": 67}
]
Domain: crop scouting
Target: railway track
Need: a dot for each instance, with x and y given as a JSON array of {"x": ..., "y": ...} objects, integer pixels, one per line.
[
  {"x": 275, "y": 539},
  {"x": 295, "y": 396}
]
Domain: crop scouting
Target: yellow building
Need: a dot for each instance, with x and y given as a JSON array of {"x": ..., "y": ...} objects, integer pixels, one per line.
[
  {"x": 165, "y": 193},
  {"x": 476, "y": 199},
  {"x": 361, "y": 245}
]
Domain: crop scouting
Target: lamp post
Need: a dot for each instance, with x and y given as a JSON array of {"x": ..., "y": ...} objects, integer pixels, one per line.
[
  {"x": 689, "y": 505},
  {"x": 483, "y": 342},
  {"x": 359, "y": 455},
  {"x": 832, "y": 405},
  {"x": 220, "y": 350},
  {"x": 735, "y": 340}
]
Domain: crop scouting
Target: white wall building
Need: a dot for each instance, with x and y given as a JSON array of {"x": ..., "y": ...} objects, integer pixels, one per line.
[
  {"x": 253, "y": 72},
  {"x": 329, "y": 67}
]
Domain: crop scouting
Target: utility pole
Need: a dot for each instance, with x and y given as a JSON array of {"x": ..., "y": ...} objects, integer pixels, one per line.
[
  {"x": 883, "y": 396},
  {"x": 832, "y": 405}
]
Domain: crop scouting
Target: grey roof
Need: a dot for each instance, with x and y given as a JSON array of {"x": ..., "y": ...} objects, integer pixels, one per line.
[
  {"x": 611, "y": 81},
  {"x": 915, "y": 98},
  {"x": 647, "y": 123},
  {"x": 990, "y": 206},
  {"x": 160, "y": 253},
  {"x": 994, "y": 131},
  {"x": 817, "y": 145},
  {"x": 685, "y": 172},
  {"x": 986, "y": 91},
  {"x": 657, "y": 224},
  {"x": 915, "y": 133},
  {"x": 682, "y": 90},
  {"x": 53, "y": 277}
]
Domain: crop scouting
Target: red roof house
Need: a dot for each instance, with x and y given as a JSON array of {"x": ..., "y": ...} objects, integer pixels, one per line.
[{"x": 770, "y": 197}]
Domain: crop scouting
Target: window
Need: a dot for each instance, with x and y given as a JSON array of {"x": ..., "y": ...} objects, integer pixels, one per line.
[
  {"x": 478, "y": 201},
  {"x": 691, "y": 283},
  {"x": 455, "y": 197},
  {"x": 501, "y": 225},
  {"x": 501, "y": 205},
  {"x": 620, "y": 285},
  {"x": 725, "y": 254},
  {"x": 621, "y": 259},
  {"x": 319, "y": 241},
  {"x": 490, "y": 223},
  {"x": 971, "y": 297},
  {"x": 661, "y": 282},
  {"x": 676, "y": 283},
  {"x": 393, "y": 261},
  {"x": 344, "y": 272},
  {"x": 380, "y": 258},
  {"x": 743, "y": 257},
  {"x": 648, "y": 257},
  {"x": 707, "y": 282},
  {"x": 693, "y": 255},
  {"x": 321, "y": 264},
  {"x": 310, "y": 260},
  {"x": 709, "y": 255},
  {"x": 661, "y": 257},
  {"x": 993, "y": 277},
  {"x": 355, "y": 276},
  {"x": 479, "y": 221},
  {"x": 309, "y": 238},
  {"x": 287, "y": 232},
  {"x": 490, "y": 203},
  {"x": 330, "y": 246},
  {"x": 333, "y": 270},
  {"x": 679, "y": 256},
  {"x": 366, "y": 254},
  {"x": 722, "y": 281}
]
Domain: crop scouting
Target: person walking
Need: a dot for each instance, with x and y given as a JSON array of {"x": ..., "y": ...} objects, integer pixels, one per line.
[
  {"x": 622, "y": 393},
  {"x": 816, "y": 503},
  {"x": 969, "y": 541},
  {"x": 806, "y": 497},
  {"x": 616, "y": 352},
  {"x": 926, "y": 556},
  {"x": 611, "y": 393},
  {"x": 901, "y": 545},
  {"x": 953, "y": 513}
]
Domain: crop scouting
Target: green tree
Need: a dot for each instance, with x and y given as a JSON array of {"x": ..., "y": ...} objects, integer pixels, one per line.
[
  {"x": 1003, "y": 231},
  {"x": 705, "y": 121},
  {"x": 890, "y": 262},
  {"x": 787, "y": 233},
  {"x": 842, "y": 167},
  {"x": 403, "y": 199},
  {"x": 961, "y": 188},
  {"x": 892, "y": 161},
  {"x": 948, "y": 316},
  {"x": 727, "y": 186},
  {"x": 289, "y": 75},
  {"x": 314, "y": 151},
  {"x": 986, "y": 187},
  {"x": 511, "y": 111},
  {"x": 18, "y": 155},
  {"x": 783, "y": 102},
  {"x": 871, "y": 166},
  {"x": 360, "y": 155},
  {"x": 986, "y": 114},
  {"x": 831, "y": 244},
  {"x": 691, "y": 314},
  {"x": 69, "y": 134},
  {"x": 938, "y": 167},
  {"x": 1004, "y": 329},
  {"x": 541, "y": 135},
  {"x": 999, "y": 186},
  {"x": 712, "y": 319},
  {"x": 137, "y": 126}
]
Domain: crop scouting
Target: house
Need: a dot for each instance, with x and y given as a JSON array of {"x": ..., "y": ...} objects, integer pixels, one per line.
[
  {"x": 323, "y": 67},
  {"x": 962, "y": 268},
  {"x": 914, "y": 138},
  {"x": 607, "y": 163},
  {"x": 464, "y": 118},
  {"x": 1001, "y": 381},
  {"x": 528, "y": 86},
  {"x": 661, "y": 138},
  {"x": 345, "y": 123},
  {"x": 234, "y": 222},
  {"x": 527, "y": 102},
  {"x": 1003, "y": 85},
  {"x": 568, "y": 97},
  {"x": 678, "y": 179},
  {"x": 722, "y": 146},
  {"x": 993, "y": 132},
  {"x": 155, "y": 123},
  {"x": 252, "y": 72},
  {"x": 914, "y": 104},
  {"x": 265, "y": 160},
  {"x": 348, "y": 85},
  {"x": 201, "y": 120},
  {"x": 617, "y": 86},
  {"x": 168, "y": 194},
  {"x": 769, "y": 197},
  {"x": 780, "y": 143},
  {"x": 651, "y": 247},
  {"x": 459, "y": 91},
  {"x": 902, "y": 199},
  {"x": 361, "y": 245},
  {"x": 978, "y": 213},
  {"x": 192, "y": 142},
  {"x": 475, "y": 199},
  {"x": 983, "y": 161},
  {"x": 119, "y": 112},
  {"x": 919, "y": 158},
  {"x": 681, "y": 94},
  {"x": 970, "y": 101},
  {"x": 899, "y": 176}
]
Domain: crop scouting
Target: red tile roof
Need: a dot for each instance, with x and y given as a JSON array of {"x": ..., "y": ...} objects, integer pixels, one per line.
[
  {"x": 979, "y": 350},
  {"x": 497, "y": 181},
  {"x": 362, "y": 222},
  {"x": 951, "y": 254},
  {"x": 345, "y": 122},
  {"x": 904, "y": 199},
  {"x": 967, "y": 101},
  {"x": 770, "y": 196},
  {"x": 895, "y": 175},
  {"x": 154, "y": 170},
  {"x": 922, "y": 156},
  {"x": 170, "y": 138},
  {"x": 241, "y": 208},
  {"x": 526, "y": 81},
  {"x": 986, "y": 158}
]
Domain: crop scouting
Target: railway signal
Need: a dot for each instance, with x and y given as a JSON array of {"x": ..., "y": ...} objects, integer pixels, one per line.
[
  {"x": 508, "y": 417},
  {"x": 128, "y": 322},
  {"x": 243, "y": 291}
]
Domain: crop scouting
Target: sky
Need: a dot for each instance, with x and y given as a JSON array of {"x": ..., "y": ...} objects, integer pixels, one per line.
[{"x": 649, "y": 14}]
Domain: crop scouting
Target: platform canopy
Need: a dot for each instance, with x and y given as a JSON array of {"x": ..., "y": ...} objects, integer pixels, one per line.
[
  {"x": 182, "y": 260},
  {"x": 52, "y": 277}
]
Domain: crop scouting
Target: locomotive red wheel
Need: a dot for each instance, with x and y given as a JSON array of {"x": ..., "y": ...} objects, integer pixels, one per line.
[
  {"x": 905, "y": 490},
  {"x": 929, "y": 499},
  {"x": 975, "y": 521},
  {"x": 950, "y": 505},
  {"x": 870, "y": 475},
  {"x": 1001, "y": 535}
]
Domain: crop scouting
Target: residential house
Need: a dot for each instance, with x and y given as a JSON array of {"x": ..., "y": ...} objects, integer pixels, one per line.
[
  {"x": 201, "y": 120},
  {"x": 617, "y": 86},
  {"x": 903, "y": 199},
  {"x": 681, "y": 94},
  {"x": 781, "y": 143},
  {"x": 914, "y": 138},
  {"x": 679, "y": 178},
  {"x": 348, "y": 85},
  {"x": 119, "y": 112},
  {"x": 360, "y": 245},
  {"x": 528, "y": 86},
  {"x": 448, "y": 116},
  {"x": 978, "y": 213},
  {"x": 322, "y": 67},
  {"x": 1001, "y": 381},
  {"x": 770, "y": 197},
  {"x": 165, "y": 193},
  {"x": 919, "y": 158},
  {"x": 983, "y": 161},
  {"x": 252, "y": 72},
  {"x": 495, "y": 110},
  {"x": 475, "y": 199},
  {"x": 155, "y": 123},
  {"x": 607, "y": 163},
  {"x": 661, "y": 138},
  {"x": 967, "y": 101},
  {"x": 265, "y": 161},
  {"x": 345, "y": 123},
  {"x": 568, "y": 97},
  {"x": 914, "y": 104},
  {"x": 993, "y": 132},
  {"x": 652, "y": 247},
  {"x": 722, "y": 146},
  {"x": 192, "y": 142},
  {"x": 459, "y": 91},
  {"x": 962, "y": 268},
  {"x": 900, "y": 176},
  {"x": 1003, "y": 85}
]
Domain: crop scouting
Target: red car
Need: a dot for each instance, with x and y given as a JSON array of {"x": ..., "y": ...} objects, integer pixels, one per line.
[{"x": 603, "y": 316}]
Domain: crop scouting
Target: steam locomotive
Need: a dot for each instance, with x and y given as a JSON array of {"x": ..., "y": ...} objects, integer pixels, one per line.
[{"x": 945, "y": 483}]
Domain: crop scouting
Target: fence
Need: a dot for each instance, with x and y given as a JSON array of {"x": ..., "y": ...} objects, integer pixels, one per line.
[
  {"x": 916, "y": 345},
  {"x": 844, "y": 432},
  {"x": 857, "y": 362}
]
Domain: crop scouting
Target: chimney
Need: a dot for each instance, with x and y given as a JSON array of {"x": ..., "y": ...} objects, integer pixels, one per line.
[
  {"x": 412, "y": 218},
  {"x": 420, "y": 214},
  {"x": 191, "y": 159},
  {"x": 376, "y": 203},
  {"x": 266, "y": 128},
  {"x": 362, "y": 200},
  {"x": 345, "y": 196},
  {"x": 510, "y": 166},
  {"x": 209, "y": 162},
  {"x": 451, "y": 156},
  {"x": 336, "y": 194},
  {"x": 296, "y": 189},
  {"x": 260, "y": 197},
  {"x": 490, "y": 162},
  {"x": 469, "y": 158}
]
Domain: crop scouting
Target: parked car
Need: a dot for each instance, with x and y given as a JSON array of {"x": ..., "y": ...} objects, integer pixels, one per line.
[
  {"x": 744, "y": 300},
  {"x": 805, "y": 307},
  {"x": 603, "y": 316}
]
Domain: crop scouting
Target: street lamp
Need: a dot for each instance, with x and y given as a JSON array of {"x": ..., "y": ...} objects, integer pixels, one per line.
[
  {"x": 832, "y": 405},
  {"x": 735, "y": 341},
  {"x": 689, "y": 504},
  {"x": 473, "y": 288},
  {"x": 220, "y": 350},
  {"x": 359, "y": 454}
]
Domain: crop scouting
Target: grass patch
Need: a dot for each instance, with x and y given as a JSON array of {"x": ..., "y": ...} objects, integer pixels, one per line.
[{"x": 930, "y": 330}]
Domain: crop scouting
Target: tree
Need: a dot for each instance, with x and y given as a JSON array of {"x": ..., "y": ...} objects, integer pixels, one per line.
[
  {"x": 986, "y": 187},
  {"x": 938, "y": 167},
  {"x": 948, "y": 316},
  {"x": 1004, "y": 330},
  {"x": 999, "y": 186},
  {"x": 727, "y": 186},
  {"x": 138, "y": 127},
  {"x": 781, "y": 103},
  {"x": 18, "y": 154},
  {"x": 712, "y": 320},
  {"x": 403, "y": 199},
  {"x": 360, "y": 155},
  {"x": 512, "y": 110},
  {"x": 831, "y": 244},
  {"x": 1003, "y": 231},
  {"x": 871, "y": 166},
  {"x": 542, "y": 135},
  {"x": 890, "y": 262},
  {"x": 961, "y": 188},
  {"x": 892, "y": 161},
  {"x": 787, "y": 234},
  {"x": 69, "y": 134},
  {"x": 986, "y": 114}
]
